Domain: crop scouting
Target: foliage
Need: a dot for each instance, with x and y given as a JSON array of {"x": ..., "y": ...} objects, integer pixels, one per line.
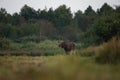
[
  {"x": 85, "y": 21},
  {"x": 103, "y": 29},
  {"x": 63, "y": 16},
  {"x": 28, "y": 13},
  {"x": 4, "y": 43},
  {"x": 107, "y": 27},
  {"x": 105, "y": 10},
  {"x": 70, "y": 33},
  {"x": 8, "y": 31},
  {"x": 89, "y": 11},
  {"x": 50, "y": 48},
  {"x": 3, "y": 14}
]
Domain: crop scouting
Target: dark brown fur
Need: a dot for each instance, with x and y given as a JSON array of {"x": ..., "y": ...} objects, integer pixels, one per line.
[{"x": 67, "y": 46}]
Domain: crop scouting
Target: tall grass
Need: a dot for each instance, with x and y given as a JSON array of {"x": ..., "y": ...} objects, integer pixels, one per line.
[
  {"x": 57, "y": 67},
  {"x": 109, "y": 52}
]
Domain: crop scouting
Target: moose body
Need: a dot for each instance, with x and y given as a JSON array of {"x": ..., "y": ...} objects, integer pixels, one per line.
[{"x": 67, "y": 46}]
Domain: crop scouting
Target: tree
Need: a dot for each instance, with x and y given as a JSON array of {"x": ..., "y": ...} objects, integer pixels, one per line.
[
  {"x": 43, "y": 14},
  {"x": 86, "y": 20},
  {"x": 105, "y": 10},
  {"x": 80, "y": 21},
  {"x": 70, "y": 33},
  {"x": 3, "y": 14},
  {"x": 45, "y": 30},
  {"x": 8, "y": 31},
  {"x": 89, "y": 11},
  {"x": 106, "y": 27},
  {"x": 50, "y": 15},
  {"x": 63, "y": 16},
  {"x": 15, "y": 19},
  {"x": 117, "y": 9},
  {"x": 28, "y": 13},
  {"x": 90, "y": 16}
]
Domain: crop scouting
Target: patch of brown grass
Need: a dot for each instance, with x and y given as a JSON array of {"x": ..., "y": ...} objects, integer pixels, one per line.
[{"x": 109, "y": 52}]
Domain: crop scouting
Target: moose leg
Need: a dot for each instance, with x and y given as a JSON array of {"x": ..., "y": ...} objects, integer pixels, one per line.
[{"x": 73, "y": 52}]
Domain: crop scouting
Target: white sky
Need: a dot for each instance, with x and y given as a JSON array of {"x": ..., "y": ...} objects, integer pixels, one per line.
[{"x": 15, "y": 5}]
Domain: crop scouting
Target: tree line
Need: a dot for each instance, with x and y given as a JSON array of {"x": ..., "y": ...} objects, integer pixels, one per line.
[{"x": 89, "y": 27}]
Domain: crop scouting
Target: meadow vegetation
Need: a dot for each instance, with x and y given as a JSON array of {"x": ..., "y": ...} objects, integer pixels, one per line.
[
  {"x": 59, "y": 67},
  {"x": 82, "y": 66}
]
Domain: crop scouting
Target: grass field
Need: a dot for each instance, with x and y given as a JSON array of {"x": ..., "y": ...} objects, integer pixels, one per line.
[
  {"x": 47, "y": 61},
  {"x": 59, "y": 67}
]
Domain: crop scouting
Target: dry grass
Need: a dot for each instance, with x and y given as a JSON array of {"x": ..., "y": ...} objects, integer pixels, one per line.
[
  {"x": 89, "y": 51},
  {"x": 55, "y": 68},
  {"x": 109, "y": 52}
]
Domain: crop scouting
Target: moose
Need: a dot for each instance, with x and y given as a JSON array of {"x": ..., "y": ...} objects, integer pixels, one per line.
[{"x": 67, "y": 46}]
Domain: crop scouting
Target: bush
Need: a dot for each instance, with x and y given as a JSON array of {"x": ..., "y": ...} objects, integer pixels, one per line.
[
  {"x": 109, "y": 52},
  {"x": 88, "y": 52},
  {"x": 50, "y": 48},
  {"x": 4, "y": 43},
  {"x": 29, "y": 46}
]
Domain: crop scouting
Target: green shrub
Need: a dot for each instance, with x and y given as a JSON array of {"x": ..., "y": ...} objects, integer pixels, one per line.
[
  {"x": 29, "y": 46},
  {"x": 30, "y": 38},
  {"x": 5, "y": 43},
  {"x": 15, "y": 46},
  {"x": 88, "y": 52},
  {"x": 50, "y": 47},
  {"x": 109, "y": 52}
]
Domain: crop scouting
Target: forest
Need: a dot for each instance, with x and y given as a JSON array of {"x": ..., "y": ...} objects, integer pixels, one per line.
[{"x": 89, "y": 27}]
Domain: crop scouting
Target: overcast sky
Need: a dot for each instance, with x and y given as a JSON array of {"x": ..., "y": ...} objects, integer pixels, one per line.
[{"x": 15, "y": 5}]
